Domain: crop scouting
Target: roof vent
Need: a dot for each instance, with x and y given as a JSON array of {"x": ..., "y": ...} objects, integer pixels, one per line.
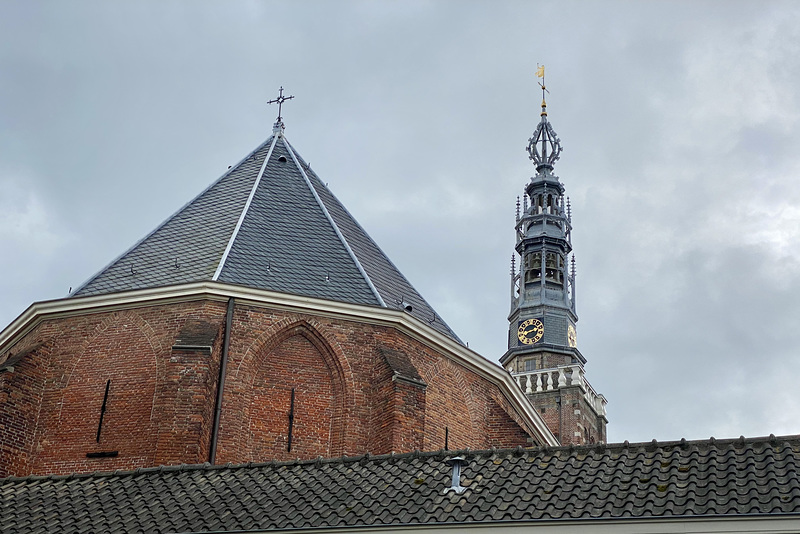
[
  {"x": 455, "y": 485},
  {"x": 282, "y": 159},
  {"x": 403, "y": 305}
]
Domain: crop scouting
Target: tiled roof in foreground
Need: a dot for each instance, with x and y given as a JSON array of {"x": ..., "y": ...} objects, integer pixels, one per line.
[
  {"x": 268, "y": 223},
  {"x": 647, "y": 480}
]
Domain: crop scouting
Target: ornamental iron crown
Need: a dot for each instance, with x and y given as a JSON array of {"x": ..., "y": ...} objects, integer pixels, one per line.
[{"x": 544, "y": 147}]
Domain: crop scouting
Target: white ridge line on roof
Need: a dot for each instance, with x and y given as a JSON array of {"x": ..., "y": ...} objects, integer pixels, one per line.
[
  {"x": 441, "y": 321},
  {"x": 335, "y": 227},
  {"x": 244, "y": 211},
  {"x": 164, "y": 222}
]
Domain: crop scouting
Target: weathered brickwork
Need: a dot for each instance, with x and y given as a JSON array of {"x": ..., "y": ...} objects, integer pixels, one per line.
[
  {"x": 397, "y": 403},
  {"x": 185, "y": 405},
  {"x": 152, "y": 393},
  {"x": 569, "y": 416},
  {"x": 117, "y": 355},
  {"x": 21, "y": 388},
  {"x": 357, "y": 388}
]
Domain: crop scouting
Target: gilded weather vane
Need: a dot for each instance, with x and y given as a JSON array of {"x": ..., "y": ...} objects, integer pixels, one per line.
[{"x": 540, "y": 74}]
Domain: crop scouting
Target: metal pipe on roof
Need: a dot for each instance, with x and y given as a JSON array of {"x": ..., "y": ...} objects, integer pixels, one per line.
[{"x": 456, "y": 462}]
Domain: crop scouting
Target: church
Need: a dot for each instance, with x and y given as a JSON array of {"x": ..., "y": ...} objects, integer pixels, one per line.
[{"x": 257, "y": 363}]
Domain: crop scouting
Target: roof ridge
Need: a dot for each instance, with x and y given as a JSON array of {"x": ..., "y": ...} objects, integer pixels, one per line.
[
  {"x": 168, "y": 219},
  {"x": 333, "y": 224},
  {"x": 244, "y": 210},
  {"x": 411, "y": 455},
  {"x": 385, "y": 256}
]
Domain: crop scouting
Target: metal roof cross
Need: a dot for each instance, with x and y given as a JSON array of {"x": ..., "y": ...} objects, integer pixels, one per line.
[{"x": 280, "y": 100}]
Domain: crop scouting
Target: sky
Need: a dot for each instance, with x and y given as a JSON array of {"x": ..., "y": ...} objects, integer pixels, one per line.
[{"x": 680, "y": 123}]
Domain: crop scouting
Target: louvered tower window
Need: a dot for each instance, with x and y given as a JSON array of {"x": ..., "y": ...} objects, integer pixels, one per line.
[
  {"x": 533, "y": 267},
  {"x": 554, "y": 268}
]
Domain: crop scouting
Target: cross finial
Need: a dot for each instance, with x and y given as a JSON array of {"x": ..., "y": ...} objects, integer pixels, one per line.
[{"x": 280, "y": 100}]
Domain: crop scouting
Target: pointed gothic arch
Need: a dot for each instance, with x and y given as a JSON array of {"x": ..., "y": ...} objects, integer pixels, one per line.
[
  {"x": 103, "y": 374},
  {"x": 294, "y": 355},
  {"x": 446, "y": 383}
]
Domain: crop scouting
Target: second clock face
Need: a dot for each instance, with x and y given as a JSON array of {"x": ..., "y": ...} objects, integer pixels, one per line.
[
  {"x": 530, "y": 331},
  {"x": 572, "y": 336}
]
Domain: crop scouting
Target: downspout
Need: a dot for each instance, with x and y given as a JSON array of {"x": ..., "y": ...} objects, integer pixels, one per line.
[{"x": 212, "y": 454}]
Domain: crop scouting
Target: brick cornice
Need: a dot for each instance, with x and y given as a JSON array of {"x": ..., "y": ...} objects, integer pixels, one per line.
[{"x": 404, "y": 322}]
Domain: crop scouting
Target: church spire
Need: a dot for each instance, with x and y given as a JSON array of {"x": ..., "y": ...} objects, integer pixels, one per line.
[
  {"x": 544, "y": 230},
  {"x": 542, "y": 352}
]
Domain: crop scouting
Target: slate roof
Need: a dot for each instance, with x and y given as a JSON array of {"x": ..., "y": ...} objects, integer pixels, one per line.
[
  {"x": 268, "y": 223},
  {"x": 707, "y": 478}
]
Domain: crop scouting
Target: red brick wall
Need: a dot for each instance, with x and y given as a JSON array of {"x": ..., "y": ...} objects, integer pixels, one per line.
[
  {"x": 295, "y": 363},
  {"x": 20, "y": 397},
  {"x": 397, "y": 409},
  {"x": 161, "y": 400},
  {"x": 117, "y": 351},
  {"x": 408, "y": 414},
  {"x": 381, "y": 400},
  {"x": 184, "y": 407},
  {"x": 573, "y": 421},
  {"x": 146, "y": 417},
  {"x": 450, "y": 406}
]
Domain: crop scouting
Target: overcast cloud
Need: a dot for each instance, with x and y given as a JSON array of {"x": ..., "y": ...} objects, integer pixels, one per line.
[{"x": 682, "y": 161}]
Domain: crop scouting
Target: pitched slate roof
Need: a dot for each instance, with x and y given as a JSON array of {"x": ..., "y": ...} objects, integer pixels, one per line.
[
  {"x": 646, "y": 480},
  {"x": 268, "y": 223}
]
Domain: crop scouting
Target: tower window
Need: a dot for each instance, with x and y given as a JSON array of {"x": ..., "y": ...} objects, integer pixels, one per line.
[
  {"x": 533, "y": 267},
  {"x": 554, "y": 268}
]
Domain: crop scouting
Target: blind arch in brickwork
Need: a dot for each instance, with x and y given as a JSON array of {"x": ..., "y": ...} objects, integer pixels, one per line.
[{"x": 256, "y": 411}]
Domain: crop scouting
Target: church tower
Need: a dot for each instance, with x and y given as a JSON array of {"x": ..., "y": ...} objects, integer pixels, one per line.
[{"x": 543, "y": 355}]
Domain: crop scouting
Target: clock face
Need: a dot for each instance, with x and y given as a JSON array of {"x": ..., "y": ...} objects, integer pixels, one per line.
[
  {"x": 530, "y": 331},
  {"x": 572, "y": 336}
]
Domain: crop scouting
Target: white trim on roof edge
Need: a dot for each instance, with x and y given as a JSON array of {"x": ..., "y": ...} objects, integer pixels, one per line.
[
  {"x": 244, "y": 211},
  {"x": 40, "y": 311}
]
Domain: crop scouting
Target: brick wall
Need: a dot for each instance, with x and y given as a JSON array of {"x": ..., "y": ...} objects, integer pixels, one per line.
[
  {"x": 567, "y": 414},
  {"x": 21, "y": 388},
  {"x": 358, "y": 388}
]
